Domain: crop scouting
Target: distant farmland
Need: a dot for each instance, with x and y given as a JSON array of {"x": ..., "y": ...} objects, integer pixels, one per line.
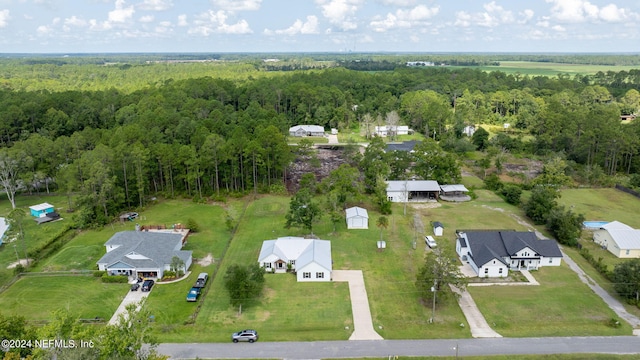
[{"x": 552, "y": 69}]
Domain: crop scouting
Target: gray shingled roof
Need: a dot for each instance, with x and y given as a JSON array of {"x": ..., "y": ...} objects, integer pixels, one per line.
[
  {"x": 159, "y": 248},
  {"x": 487, "y": 245}
]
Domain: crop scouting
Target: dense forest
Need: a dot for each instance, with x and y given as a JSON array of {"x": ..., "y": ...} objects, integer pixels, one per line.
[{"x": 208, "y": 130}]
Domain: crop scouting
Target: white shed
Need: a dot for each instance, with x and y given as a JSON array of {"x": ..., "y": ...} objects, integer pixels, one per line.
[
  {"x": 438, "y": 228},
  {"x": 357, "y": 218}
]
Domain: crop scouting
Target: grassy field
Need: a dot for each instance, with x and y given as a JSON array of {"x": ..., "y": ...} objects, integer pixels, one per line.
[
  {"x": 560, "y": 306},
  {"x": 603, "y": 204},
  {"x": 551, "y": 69},
  {"x": 37, "y": 297}
]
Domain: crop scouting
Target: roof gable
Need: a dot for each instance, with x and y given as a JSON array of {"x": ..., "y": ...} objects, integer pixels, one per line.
[
  {"x": 626, "y": 239},
  {"x": 144, "y": 248},
  {"x": 357, "y": 211}
]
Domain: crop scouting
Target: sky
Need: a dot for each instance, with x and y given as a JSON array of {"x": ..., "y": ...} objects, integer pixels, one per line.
[{"x": 214, "y": 26}]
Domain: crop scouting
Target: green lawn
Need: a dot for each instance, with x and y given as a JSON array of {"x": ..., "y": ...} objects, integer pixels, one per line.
[
  {"x": 34, "y": 234},
  {"x": 36, "y": 297},
  {"x": 603, "y": 204},
  {"x": 561, "y": 306}
]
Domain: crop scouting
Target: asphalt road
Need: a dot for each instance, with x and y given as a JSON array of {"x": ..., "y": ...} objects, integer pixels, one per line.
[{"x": 385, "y": 348}]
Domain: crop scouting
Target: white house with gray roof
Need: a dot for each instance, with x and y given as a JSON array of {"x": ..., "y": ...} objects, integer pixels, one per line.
[
  {"x": 306, "y": 130},
  {"x": 144, "y": 253},
  {"x": 492, "y": 253},
  {"x": 310, "y": 259}
]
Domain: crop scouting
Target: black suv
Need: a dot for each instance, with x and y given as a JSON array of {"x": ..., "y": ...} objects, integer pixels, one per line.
[{"x": 147, "y": 285}]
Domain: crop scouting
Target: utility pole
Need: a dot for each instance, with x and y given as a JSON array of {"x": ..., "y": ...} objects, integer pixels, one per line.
[{"x": 434, "y": 288}]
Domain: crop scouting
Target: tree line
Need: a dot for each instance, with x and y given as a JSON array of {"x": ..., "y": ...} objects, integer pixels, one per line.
[{"x": 210, "y": 137}]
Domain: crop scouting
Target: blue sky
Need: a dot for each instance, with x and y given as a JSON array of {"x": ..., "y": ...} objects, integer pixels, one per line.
[{"x": 86, "y": 26}]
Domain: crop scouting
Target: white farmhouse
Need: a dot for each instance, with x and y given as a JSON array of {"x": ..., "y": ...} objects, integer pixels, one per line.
[{"x": 310, "y": 259}]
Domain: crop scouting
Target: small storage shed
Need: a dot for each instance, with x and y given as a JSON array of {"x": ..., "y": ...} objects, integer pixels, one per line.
[
  {"x": 41, "y": 210},
  {"x": 357, "y": 218},
  {"x": 438, "y": 228}
]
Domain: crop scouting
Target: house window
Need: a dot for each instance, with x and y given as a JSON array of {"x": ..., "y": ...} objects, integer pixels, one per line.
[
  {"x": 292, "y": 262},
  {"x": 486, "y": 271},
  {"x": 500, "y": 271},
  {"x": 627, "y": 252},
  {"x": 267, "y": 265},
  {"x": 550, "y": 261},
  {"x": 306, "y": 275},
  {"x": 319, "y": 275},
  {"x": 390, "y": 198}
]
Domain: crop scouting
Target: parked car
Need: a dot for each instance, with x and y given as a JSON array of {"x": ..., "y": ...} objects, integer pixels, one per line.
[
  {"x": 193, "y": 294},
  {"x": 245, "y": 335},
  {"x": 135, "y": 287},
  {"x": 430, "y": 241},
  {"x": 147, "y": 285},
  {"x": 202, "y": 280}
]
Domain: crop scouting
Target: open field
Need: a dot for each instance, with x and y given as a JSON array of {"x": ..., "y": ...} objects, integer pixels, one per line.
[
  {"x": 603, "y": 204},
  {"x": 86, "y": 297},
  {"x": 552, "y": 69}
]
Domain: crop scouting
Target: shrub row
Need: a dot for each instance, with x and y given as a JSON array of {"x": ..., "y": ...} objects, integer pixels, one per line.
[
  {"x": 52, "y": 245},
  {"x": 598, "y": 264}
]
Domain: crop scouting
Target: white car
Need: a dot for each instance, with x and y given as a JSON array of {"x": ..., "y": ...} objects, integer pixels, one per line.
[{"x": 430, "y": 241}]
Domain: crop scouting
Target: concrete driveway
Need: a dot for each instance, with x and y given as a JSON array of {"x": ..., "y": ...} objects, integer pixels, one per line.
[
  {"x": 132, "y": 297},
  {"x": 362, "y": 323}
]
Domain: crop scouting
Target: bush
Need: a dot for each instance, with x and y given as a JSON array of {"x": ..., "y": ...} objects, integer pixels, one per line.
[
  {"x": 512, "y": 194},
  {"x": 614, "y": 323},
  {"x": 192, "y": 225},
  {"x": 19, "y": 269},
  {"x": 492, "y": 182},
  {"x": 120, "y": 279},
  {"x": 99, "y": 273}
]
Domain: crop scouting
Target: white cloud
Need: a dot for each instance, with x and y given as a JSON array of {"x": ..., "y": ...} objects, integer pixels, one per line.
[
  {"x": 340, "y": 12},
  {"x": 525, "y": 16},
  {"x": 43, "y": 30},
  {"x": 494, "y": 15},
  {"x": 99, "y": 26},
  {"x": 611, "y": 13},
  {"x": 156, "y": 5},
  {"x": 75, "y": 21},
  {"x": 404, "y": 18},
  {"x": 4, "y": 18},
  {"x": 237, "y": 5},
  {"x": 308, "y": 27},
  {"x": 121, "y": 13},
  {"x": 405, "y": 3},
  {"x": 578, "y": 11},
  {"x": 146, "y": 19},
  {"x": 182, "y": 20},
  {"x": 215, "y": 22},
  {"x": 559, "y": 28},
  {"x": 164, "y": 27}
]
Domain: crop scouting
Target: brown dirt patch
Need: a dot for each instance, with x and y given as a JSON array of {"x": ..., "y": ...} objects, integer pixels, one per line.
[
  {"x": 206, "y": 261},
  {"x": 327, "y": 161}
]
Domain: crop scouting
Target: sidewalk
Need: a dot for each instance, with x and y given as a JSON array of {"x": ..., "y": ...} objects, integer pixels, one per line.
[{"x": 362, "y": 323}]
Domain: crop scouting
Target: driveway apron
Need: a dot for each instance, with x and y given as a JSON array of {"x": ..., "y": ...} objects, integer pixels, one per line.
[{"x": 362, "y": 323}]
